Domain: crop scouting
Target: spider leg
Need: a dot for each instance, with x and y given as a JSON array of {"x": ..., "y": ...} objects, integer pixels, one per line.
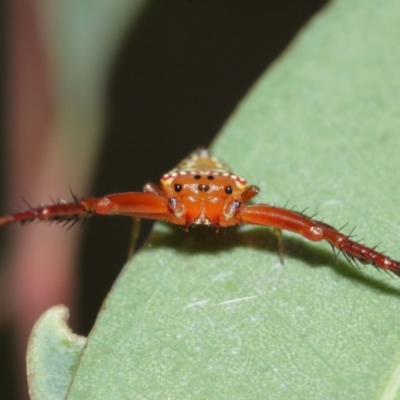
[
  {"x": 134, "y": 236},
  {"x": 152, "y": 188},
  {"x": 139, "y": 205},
  {"x": 249, "y": 193},
  {"x": 281, "y": 218},
  {"x": 278, "y": 234}
]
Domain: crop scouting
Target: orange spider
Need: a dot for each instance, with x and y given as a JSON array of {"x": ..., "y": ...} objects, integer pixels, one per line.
[{"x": 201, "y": 190}]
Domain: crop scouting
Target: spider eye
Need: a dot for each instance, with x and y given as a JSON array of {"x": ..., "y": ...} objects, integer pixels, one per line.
[
  {"x": 228, "y": 189},
  {"x": 177, "y": 187}
]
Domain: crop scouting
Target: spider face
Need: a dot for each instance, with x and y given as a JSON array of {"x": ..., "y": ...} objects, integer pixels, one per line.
[
  {"x": 202, "y": 191},
  {"x": 202, "y": 199}
]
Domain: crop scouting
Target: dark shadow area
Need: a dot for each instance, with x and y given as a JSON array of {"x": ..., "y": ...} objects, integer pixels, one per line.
[
  {"x": 201, "y": 239},
  {"x": 7, "y": 380},
  {"x": 179, "y": 75}
]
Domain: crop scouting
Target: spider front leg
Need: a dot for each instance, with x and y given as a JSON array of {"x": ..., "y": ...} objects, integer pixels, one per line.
[
  {"x": 139, "y": 205},
  {"x": 281, "y": 218}
]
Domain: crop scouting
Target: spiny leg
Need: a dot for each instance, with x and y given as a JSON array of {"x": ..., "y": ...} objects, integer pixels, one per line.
[
  {"x": 140, "y": 205},
  {"x": 281, "y": 218},
  {"x": 59, "y": 212}
]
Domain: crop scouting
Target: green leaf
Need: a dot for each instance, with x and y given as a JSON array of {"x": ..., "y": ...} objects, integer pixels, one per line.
[
  {"x": 53, "y": 353},
  {"x": 206, "y": 315}
]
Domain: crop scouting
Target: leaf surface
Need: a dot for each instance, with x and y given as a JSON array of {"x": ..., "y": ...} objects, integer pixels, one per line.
[{"x": 53, "y": 353}]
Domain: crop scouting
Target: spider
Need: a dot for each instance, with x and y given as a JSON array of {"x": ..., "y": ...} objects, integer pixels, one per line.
[{"x": 201, "y": 190}]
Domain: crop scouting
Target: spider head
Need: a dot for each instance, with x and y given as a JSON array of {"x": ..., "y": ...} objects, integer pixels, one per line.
[{"x": 203, "y": 199}]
